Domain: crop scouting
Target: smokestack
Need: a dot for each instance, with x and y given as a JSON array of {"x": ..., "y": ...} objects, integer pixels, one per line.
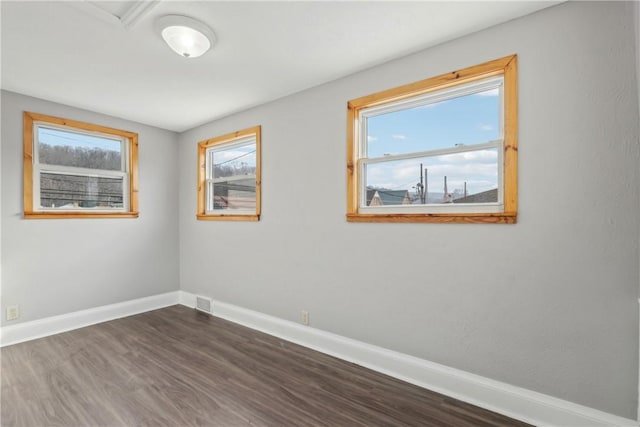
[
  {"x": 446, "y": 192},
  {"x": 426, "y": 186}
]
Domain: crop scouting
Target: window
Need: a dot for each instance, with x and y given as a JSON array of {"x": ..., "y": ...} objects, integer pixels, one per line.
[
  {"x": 229, "y": 177},
  {"x": 439, "y": 150},
  {"x": 78, "y": 170}
]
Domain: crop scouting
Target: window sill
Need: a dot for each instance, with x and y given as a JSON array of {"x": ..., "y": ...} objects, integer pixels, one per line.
[
  {"x": 474, "y": 218},
  {"x": 229, "y": 217},
  {"x": 87, "y": 215}
]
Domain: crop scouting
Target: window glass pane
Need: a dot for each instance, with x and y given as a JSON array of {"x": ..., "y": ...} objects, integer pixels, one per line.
[
  {"x": 466, "y": 177},
  {"x": 469, "y": 119},
  {"x": 61, "y": 191},
  {"x": 235, "y": 194},
  {"x": 63, "y": 148},
  {"x": 234, "y": 177},
  {"x": 234, "y": 161}
]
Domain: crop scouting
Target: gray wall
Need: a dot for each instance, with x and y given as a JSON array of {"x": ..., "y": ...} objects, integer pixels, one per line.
[
  {"x": 549, "y": 304},
  {"x": 2, "y": 313},
  {"x": 51, "y": 267},
  {"x": 637, "y": 22},
  {"x": 637, "y": 44}
]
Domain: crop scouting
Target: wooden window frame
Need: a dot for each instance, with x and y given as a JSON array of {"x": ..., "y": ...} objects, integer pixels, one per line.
[
  {"x": 230, "y": 138},
  {"x": 30, "y": 119},
  {"x": 505, "y": 67}
]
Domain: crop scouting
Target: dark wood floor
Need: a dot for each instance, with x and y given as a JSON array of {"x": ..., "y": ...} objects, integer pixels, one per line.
[{"x": 176, "y": 367}]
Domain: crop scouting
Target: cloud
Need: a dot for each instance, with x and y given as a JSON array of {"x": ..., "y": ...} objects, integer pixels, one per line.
[
  {"x": 473, "y": 185},
  {"x": 477, "y": 178},
  {"x": 397, "y": 136},
  {"x": 486, "y": 127},
  {"x": 391, "y": 175},
  {"x": 478, "y": 156},
  {"x": 479, "y": 174},
  {"x": 473, "y": 169},
  {"x": 490, "y": 92},
  {"x": 371, "y": 138}
]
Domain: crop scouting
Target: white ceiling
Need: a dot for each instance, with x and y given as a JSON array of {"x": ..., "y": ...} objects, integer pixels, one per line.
[{"x": 106, "y": 56}]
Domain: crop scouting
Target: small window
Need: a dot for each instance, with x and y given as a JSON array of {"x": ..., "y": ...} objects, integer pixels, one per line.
[
  {"x": 78, "y": 170},
  {"x": 229, "y": 177},
  {"x": 439, "y": 150}
]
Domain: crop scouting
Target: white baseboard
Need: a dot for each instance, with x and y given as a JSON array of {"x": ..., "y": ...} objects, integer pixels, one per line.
[
  {"x": 14, "y": 334},
  {"x": 519, "y": 403}
]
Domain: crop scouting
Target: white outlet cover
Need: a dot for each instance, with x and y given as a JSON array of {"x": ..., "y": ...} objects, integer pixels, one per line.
[{"x": 13, "y": 312}]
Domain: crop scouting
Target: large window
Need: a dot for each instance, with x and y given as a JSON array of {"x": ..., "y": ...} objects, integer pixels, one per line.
[
  {"x": 78, "y": 170},
  {"x": 229, "y": 177},
  {"x": 439, "y": 150}
]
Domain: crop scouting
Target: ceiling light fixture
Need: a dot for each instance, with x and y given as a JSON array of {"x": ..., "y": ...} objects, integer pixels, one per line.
[{"x": 185, "y": 36}]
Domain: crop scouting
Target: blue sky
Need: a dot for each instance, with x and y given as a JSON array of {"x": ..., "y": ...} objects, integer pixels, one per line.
[{"x": 468, "y": 120}]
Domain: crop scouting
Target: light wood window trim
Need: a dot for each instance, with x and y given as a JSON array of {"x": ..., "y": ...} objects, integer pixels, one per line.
[
  {"x": 29, "y": 213},
  {"x": 507, "y": 67},
  {"x": 202, "y": 175}
]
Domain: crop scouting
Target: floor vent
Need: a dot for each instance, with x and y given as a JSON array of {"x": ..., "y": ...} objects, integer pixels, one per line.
[{"x": 203, "y": 304}]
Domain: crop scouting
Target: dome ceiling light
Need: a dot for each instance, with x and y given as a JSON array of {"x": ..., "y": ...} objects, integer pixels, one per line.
[{"x": 186, "y": 36}]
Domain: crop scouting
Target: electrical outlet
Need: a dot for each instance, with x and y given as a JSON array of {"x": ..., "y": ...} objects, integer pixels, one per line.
[
  {"x": 13, "y": 312},
  {"x": 305, "y": 317}
]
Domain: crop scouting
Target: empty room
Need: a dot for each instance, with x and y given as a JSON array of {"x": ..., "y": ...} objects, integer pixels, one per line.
[{"x": 319, "y": 213}]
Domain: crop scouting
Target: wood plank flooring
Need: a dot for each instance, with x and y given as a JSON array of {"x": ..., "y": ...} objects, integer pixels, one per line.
[{"x": 177, "y": 367}]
